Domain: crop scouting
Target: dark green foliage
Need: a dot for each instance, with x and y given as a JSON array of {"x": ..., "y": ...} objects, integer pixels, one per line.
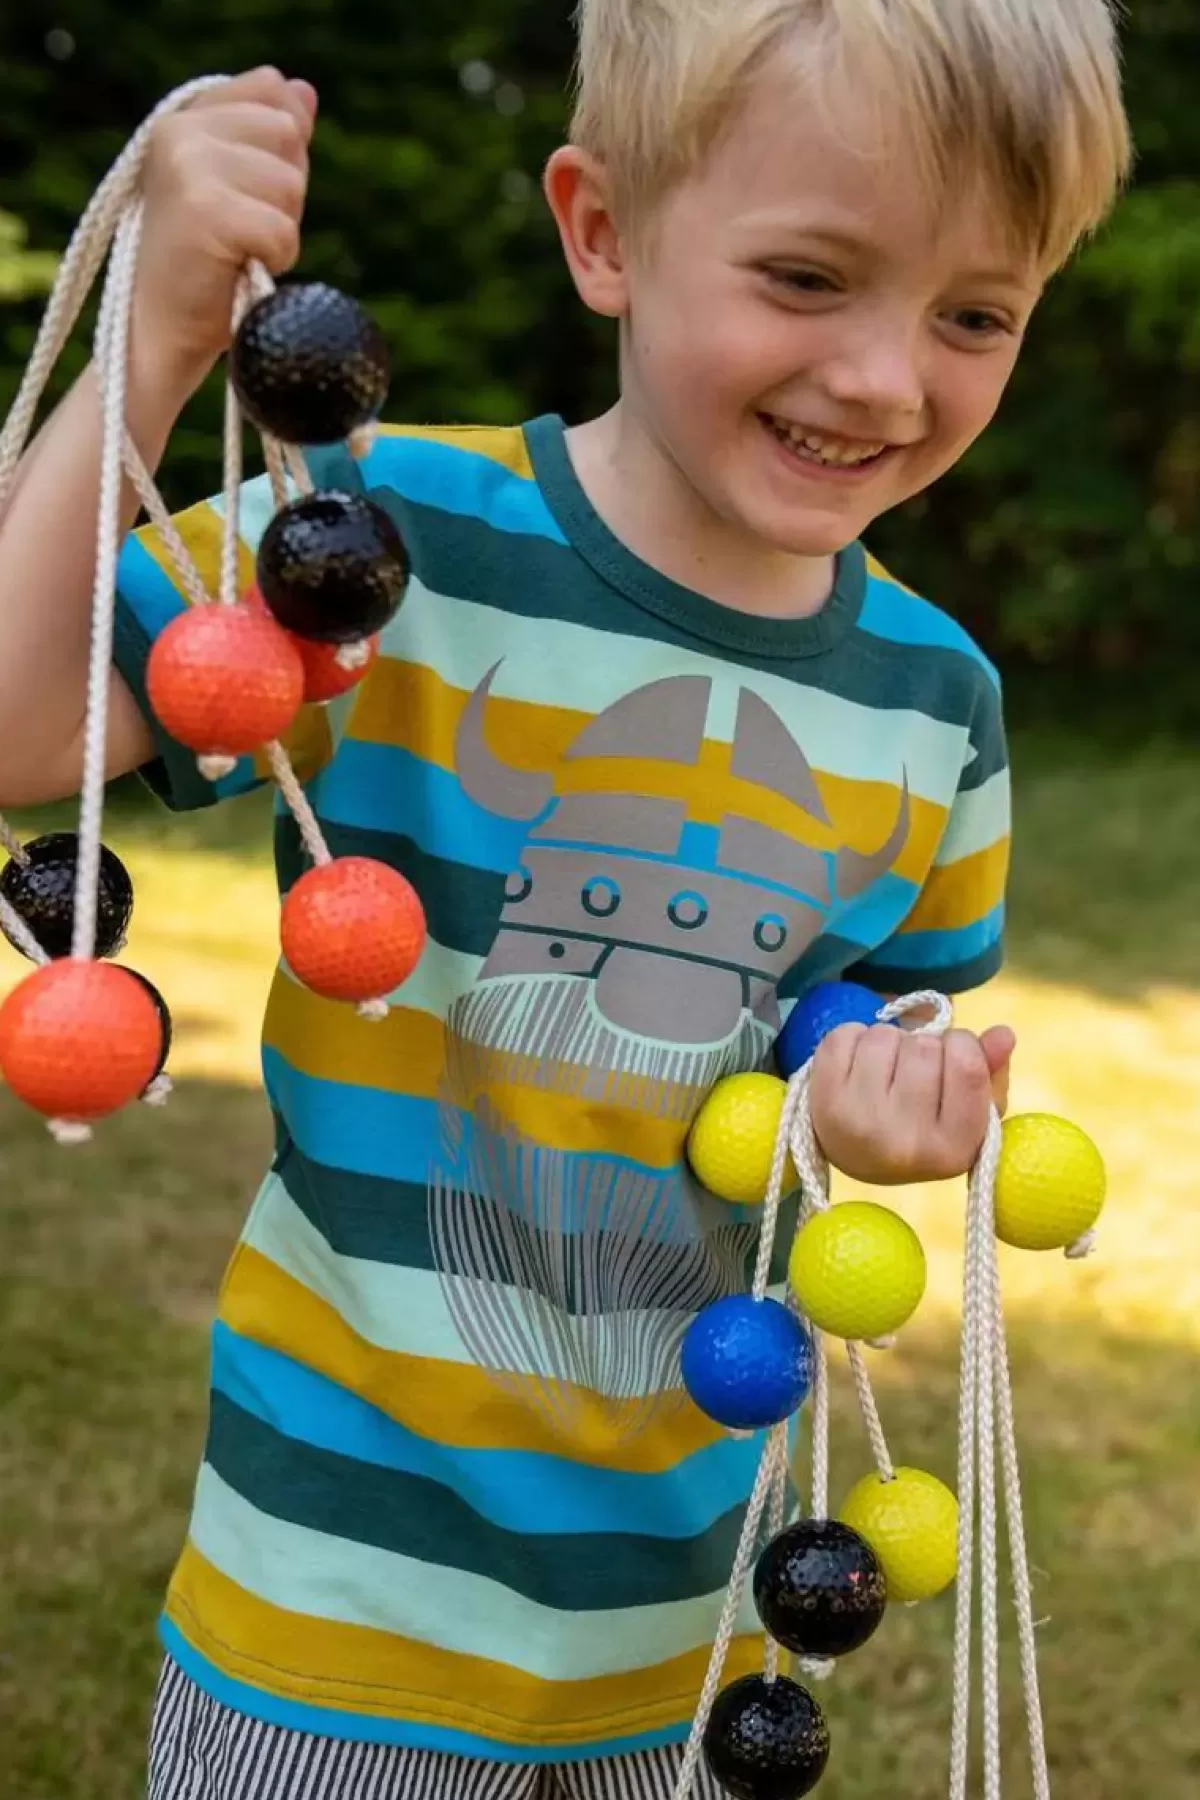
[{"x": 1069, "y": 540}]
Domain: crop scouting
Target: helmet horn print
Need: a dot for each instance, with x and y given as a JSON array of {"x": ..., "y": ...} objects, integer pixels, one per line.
[
  {"x": 856, "y": 870},
  {"x": 519, "y": 794}
]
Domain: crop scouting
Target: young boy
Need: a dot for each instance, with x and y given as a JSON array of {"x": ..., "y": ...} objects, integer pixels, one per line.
[{"x": 660, "y": 746}]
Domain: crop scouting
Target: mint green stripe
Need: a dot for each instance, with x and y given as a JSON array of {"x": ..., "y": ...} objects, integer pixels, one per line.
[
  {"x": 548, "y": 662},
  {"x": 256, "y": 508},
  {"x": 980, "y": 818}
]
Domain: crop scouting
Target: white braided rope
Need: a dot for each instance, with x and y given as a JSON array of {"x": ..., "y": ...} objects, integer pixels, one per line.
[
  {"x": 113, "y": 221},
  {"x": 985, "y": 1422},
  {"x": 794, "y": 1139},
  {"x": 112, "y": 349},
  {"x": 20, "y": 933},
  {"x": 11, "y": 842},
  {"x": 775, "y": 1452}
]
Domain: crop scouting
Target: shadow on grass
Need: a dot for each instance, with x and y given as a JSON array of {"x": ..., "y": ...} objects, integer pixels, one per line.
[{"x": 112, "y": 1259}]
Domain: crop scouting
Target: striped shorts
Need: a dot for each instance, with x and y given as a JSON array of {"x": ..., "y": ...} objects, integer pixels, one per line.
[{"x": 202, "y": 1750}]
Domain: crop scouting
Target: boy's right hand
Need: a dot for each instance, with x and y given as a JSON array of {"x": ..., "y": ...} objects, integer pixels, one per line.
[{"x": 225, "y": 181}]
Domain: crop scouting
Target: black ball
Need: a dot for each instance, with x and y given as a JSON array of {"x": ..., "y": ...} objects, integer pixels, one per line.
[
  {"x": 332, "y": 567},
  {"x": 42, "y": 892},
  {"x": 820, "y": 1588},
  {"x": 164, "y": 1019},
  {"x": 766, "y": 1740},
  {"x": 309, "y": 365}
]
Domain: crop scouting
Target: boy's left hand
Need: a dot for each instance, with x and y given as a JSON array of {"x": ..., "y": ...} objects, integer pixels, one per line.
[{"x": 891, "y": 1107}]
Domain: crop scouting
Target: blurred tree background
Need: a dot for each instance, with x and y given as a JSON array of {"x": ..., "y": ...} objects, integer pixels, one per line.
[{"x": 1069, "y": 540}]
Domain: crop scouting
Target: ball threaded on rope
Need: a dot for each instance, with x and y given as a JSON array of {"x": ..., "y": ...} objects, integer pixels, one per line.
[
  {"x": 309, "y": 365},
  {"x": 747, "y": 1363},
  {"x": 224, "y": 680},
  {"x": 352, "y": 929},
  {"x": 41, "y": 887},
  {"x": 332, "y": 567},
  {"x": 766, "y": 1740},
  {"x": 79, "y": 1039}
]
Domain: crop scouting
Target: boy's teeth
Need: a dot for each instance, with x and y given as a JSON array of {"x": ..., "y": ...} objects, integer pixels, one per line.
[{"x": 823, "y": 449}]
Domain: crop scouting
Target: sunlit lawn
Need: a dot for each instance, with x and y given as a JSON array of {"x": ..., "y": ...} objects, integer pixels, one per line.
[{"x": 110, "y": 1258}]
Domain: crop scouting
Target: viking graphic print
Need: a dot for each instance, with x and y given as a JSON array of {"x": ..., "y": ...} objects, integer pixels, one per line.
[{"x": 636, "y": 963}]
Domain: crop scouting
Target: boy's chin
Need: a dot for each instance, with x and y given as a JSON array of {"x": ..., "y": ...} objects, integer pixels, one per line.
[{"x": 814, "y": 535}]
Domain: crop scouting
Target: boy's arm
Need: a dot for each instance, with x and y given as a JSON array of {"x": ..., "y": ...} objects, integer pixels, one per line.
[
  {"x": 47, "y": 564},
  {"x": 223, "y": 184}
]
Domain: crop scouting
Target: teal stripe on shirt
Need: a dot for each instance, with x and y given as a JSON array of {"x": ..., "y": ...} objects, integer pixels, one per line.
[
  {"x": 294, "y": 1568},
  {"x": 516, "y": 1491},
  {"x": 422, "y": 1518}
]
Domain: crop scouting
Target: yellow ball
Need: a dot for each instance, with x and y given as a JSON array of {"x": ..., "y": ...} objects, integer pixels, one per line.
[
  {"x": 1050, "y": 1183},
  {"x": 911, "y": 1523},
  {"x": 857, "y": 1270},
  {"x": 732, "y": 1140}
]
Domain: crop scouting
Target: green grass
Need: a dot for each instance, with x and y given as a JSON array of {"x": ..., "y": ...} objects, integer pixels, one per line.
[{"x": 111, "y": 1257}]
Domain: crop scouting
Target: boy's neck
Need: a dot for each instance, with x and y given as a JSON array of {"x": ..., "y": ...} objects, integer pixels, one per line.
[{"x": 647, "y": 503}]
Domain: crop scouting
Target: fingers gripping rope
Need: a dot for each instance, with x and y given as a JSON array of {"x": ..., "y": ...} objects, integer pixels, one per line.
[
  {"x": 985, "y": 1417},
  {"x": 112, "y": 223}
]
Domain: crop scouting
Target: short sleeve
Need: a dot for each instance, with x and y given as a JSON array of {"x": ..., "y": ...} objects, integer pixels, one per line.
[
  {"x": 952, "y": 939},
  {"x": 149, "y": 595}
]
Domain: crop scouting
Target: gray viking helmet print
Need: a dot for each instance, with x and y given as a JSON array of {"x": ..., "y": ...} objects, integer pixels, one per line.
[{"x": 635, "y": 964}]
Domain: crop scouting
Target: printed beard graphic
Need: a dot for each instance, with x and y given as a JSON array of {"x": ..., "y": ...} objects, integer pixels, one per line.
[{"x": 635, "y": 964}]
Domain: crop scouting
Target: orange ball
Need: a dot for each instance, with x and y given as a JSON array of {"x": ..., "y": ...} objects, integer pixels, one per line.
[
  {"x": 324, "y": 676},
  {"x": 352, "y": 929},
  {"x": 225, "y": 679},
  {"x": 79, "y": 1039}
]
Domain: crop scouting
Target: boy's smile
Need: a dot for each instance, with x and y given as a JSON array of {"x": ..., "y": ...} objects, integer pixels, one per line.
[{"x": 809, "y": 337}]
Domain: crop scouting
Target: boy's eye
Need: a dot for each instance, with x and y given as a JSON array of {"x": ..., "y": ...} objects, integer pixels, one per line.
[
  {"x": 978, "y": 322},
  {"x": 803, "y": 281}
]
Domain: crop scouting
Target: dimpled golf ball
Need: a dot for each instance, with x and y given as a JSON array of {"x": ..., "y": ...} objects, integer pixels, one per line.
[
  {"x": 41, "y": 890},
  {"x": 857, "y": 1270},
  {"x": 1050, "y": 1182},
  {"x": 224, "y": 679},
  {"x": 309, "y": 364},
  {"x": 816, "y": 1014},
  {"x": 820, "y": 1588},
  {"x": 352, "y": 929},
  {"x": 333, "y": 567},
  {"x": 732, "y": 1140},
  {"x": 766, "y": 1740},
  {"x": 747, "y": 1363},
  {"x": 79, "y": 1039},
  {"x": 911, "y": 1523}
]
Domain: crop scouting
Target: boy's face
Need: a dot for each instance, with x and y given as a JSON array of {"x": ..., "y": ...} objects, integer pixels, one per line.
[{"x": 809, "y": 339}]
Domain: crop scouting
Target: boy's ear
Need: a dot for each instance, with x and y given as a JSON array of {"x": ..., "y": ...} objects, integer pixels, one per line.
[{"x": 576, "y": 189}]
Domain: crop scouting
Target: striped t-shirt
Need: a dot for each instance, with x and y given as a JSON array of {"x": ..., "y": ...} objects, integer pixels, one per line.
[{"x": 453, "y": 1495}]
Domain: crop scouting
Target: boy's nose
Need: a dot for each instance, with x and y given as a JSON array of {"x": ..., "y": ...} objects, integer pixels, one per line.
[{"x": 879, "y": 376}]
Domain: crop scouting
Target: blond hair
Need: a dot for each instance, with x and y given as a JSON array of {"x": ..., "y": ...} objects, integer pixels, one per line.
[{"x": 1025, "y": 93}]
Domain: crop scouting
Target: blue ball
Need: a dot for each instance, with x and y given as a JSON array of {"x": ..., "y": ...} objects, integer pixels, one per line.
[
  {"x": 747, "y": 1363},
  {"x": 816, "y": 1014}
]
